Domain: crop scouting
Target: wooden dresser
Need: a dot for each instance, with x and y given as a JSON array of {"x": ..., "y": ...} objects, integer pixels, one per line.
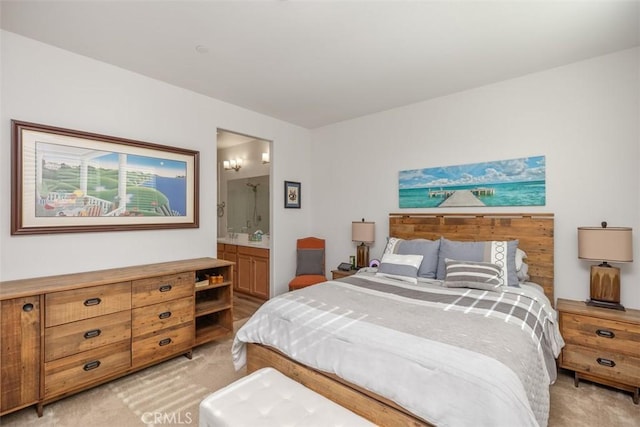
[
  {"x": 63, "y": 334},
  {"x": 602, "y": 345}
]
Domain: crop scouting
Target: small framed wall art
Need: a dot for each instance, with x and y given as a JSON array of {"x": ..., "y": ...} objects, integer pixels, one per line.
[{"x": 292, "y": 194}]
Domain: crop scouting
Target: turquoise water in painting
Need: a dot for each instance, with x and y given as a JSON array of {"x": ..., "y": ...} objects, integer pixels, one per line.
[{"x": 510, "y": 194}]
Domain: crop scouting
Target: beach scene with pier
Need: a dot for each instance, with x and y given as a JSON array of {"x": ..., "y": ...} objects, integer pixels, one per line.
[{"x": 514, "y": 182}]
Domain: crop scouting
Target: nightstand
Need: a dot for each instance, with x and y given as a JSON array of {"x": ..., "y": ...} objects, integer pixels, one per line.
[
  {"x": 602, "y": 345},
  {"x": 338, "y": 274}
]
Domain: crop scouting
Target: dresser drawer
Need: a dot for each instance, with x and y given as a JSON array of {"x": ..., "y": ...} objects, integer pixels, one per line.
[
  {"x": 78, "y": 304},
  {"x": 163, "y": 344},
  {"x": 71, "y": 338},
  {"x": 603, "y": 363},
  {"x": 162, "y": 288},
  {"x": 147, "y": 320},
  {"x": 598, "y": 333},
  {"x": 82, "y": 369}
]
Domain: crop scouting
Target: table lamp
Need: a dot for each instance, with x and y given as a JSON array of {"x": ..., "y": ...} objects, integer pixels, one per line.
[
  {"x": 606, "y": 244},
  {"x": 363, "y": 232}
]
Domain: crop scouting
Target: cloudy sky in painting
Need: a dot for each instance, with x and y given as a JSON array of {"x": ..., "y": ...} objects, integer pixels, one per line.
[{"x": 497, "y": 172}]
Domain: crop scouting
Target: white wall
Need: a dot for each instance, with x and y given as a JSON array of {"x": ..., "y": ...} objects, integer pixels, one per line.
[
  {"x": 582, "y": 117},
  {"x": 46, "y": 85}
]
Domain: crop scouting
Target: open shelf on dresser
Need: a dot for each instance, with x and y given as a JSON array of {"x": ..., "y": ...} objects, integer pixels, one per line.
[{"x": 214, "y": 302}]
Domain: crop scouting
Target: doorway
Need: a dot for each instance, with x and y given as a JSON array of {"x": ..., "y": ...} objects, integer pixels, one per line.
[{"x": 244, "y": 193}]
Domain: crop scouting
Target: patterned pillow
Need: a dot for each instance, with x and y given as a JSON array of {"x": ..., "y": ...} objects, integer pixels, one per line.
[
  {"x": 502, "y": 253},
  {"x": 470, "y": 274},
  {"x": 427, "y": 248},
  {"x": 400, "y": 267}
]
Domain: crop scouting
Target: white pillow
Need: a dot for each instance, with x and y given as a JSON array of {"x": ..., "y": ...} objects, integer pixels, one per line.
[
  {"x": 400, "y": 267},
  {"x": 520, "y": 255}
]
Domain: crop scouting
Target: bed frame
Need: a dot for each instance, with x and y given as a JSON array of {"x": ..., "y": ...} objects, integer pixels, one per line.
[{"x": 535, "y": 234}]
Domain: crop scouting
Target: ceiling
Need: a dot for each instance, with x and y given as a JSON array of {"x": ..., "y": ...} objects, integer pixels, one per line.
[{"x": 316, "y": 63}]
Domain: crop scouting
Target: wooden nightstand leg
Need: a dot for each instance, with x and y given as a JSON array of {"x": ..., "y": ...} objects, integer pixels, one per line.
[
  {"x": 576, "y": 379},
  {"x": 636, "y": 395}
]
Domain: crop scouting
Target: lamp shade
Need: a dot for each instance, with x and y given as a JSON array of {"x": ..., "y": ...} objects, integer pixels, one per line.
[
  {"x": 363, "y": 231},
  {"x": 611, "y": 244}
]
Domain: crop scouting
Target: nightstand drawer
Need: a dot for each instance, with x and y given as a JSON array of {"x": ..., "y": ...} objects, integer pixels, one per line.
[
  {"x": 71, "y": 338},
  {"x": 155, "y": 317},
  {"x": 339, "y": 274},
  {"x": 615, "y": 366},
  {"x": 163, "y": 288},
  {"x": 85, "y": 368},
  {"x": 78, "y": 304},
  {"x": 598, "y": 333}
]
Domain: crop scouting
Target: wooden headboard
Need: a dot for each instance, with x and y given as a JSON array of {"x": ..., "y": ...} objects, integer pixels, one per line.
[{"x": 533, "y": 230}]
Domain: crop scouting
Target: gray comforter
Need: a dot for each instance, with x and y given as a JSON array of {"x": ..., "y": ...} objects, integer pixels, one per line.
[{"x": 450, "y": 356}]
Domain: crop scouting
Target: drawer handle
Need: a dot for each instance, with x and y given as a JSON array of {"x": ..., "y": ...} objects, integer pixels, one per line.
[
  {"x": 165, "y": 288},
  {"x": 27, "y": 307},
  {"x": 606, "y": 362},
  {"x": 92, "y": 301},
  {"x": 165, "y": 315},
  {"x": 604, "y": 333},
  {"x": 91, "y": 365},
  {"x": 164, "y": 342},
  {"x": 92, "y": 334}
]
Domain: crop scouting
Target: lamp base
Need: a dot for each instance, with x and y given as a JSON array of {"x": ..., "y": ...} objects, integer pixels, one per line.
[
  {"x": 605, "y": 287},
  {"x": 605, "y": 304},
  {"x": 362, "y": 256}
]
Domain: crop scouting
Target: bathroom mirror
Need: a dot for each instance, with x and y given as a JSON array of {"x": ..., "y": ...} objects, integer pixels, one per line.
[{"x": 248, "y": 204}]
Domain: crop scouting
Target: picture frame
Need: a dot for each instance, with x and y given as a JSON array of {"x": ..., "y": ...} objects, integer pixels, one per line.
[
  {"x": 70, "y": 181},
  {"x": 292, "y": 195},
  {"x": 497, "y": 183}
]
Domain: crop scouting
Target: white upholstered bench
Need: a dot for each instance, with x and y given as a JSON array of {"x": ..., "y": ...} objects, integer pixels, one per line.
[{"x": 269, "y": 398}]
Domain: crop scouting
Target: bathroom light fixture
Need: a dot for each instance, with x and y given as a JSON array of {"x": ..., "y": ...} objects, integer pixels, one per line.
[
  {"x": 234, "y": 164},
  {"x": 265, "y": 158}
]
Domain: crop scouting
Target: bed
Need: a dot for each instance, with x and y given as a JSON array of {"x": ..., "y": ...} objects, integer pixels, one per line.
[{"x": 424, "y": 352}]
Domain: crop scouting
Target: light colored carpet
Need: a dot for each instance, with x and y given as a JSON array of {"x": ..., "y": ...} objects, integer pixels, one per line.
[
  {"x": 168, "y": 395},
  {"x": 590, "y": 404}
]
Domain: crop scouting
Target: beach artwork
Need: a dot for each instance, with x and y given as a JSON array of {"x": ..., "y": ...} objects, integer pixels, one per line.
[
  {"x": 79, "y": 182},
  {"x": 69, "y": 181},
  {"x": 514, "y": 182}
]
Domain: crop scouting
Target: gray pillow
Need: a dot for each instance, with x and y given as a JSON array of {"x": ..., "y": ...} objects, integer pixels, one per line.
[
  {"x": 475, "y": 275},
  {"x": 309, "y": 261},
  {"x": 427, "y": 248},
  {"x": 487, "y": 251}
]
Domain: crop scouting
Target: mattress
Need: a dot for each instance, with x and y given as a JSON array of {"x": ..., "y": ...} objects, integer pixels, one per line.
[{"x": 451, "y": 356}]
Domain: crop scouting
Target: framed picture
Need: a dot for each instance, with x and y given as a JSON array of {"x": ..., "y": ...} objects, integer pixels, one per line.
[
  {"x": 512, "y": 182},
  {"x": 68, "y": 181},
  {"x": 292, "y": 194}
]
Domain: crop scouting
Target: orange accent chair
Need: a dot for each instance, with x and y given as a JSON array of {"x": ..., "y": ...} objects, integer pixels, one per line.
[{"x": 310, "y": 268}]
